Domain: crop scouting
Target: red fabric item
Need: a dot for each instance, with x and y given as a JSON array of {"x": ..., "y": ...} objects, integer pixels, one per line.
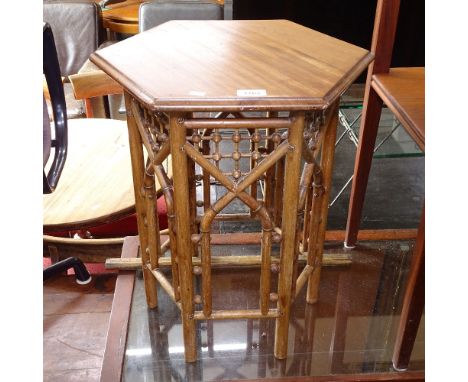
[{"x": 126, "y": 226}]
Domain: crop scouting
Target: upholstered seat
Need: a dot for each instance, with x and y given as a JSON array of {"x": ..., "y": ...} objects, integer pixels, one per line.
[
  {"x": 78, "y": 32},
  {"x": 157, "y": 12}
]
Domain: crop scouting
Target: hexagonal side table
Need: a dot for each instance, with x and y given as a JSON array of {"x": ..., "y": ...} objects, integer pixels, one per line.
[{"x": 272, "y": 86}]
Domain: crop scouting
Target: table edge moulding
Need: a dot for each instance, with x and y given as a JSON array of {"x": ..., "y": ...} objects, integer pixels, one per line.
[{"x": 234, "y": 102}]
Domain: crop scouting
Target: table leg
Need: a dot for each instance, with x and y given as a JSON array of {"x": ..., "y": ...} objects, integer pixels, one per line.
[
  {"x": 279, "y": 191},
  {"x": 183, "y": 232},
  {"x": 326, "y": 163},
  {"x": 270, "y": 175},
  {"x": 192, "y": 198},
  {"x": 413, "y": 305},
  {"x": 289, "y": 245},
  {"x": 269, "y": 197},
  {"x": 138, "y": 171},
  {"x": 368, "y": 132},
  {"x": 154, "y": 246}
]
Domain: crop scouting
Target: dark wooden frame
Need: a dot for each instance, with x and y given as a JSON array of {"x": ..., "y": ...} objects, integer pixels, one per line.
[
  {"x": 385, "y": 26},
  {"x": 114, "y": 353}
]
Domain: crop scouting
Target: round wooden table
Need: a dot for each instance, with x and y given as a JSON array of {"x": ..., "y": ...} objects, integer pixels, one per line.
[
  {"x": 96, "y": 186},
  {"x": 96, "y": 183},
  {"x": 122, "y": 17}
]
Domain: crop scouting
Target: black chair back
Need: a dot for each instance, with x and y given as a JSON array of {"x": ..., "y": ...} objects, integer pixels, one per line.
[{"x": 51, "y": 70}]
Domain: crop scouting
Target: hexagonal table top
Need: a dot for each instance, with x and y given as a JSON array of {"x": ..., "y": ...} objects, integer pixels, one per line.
[{"x": 235, "y": 65}]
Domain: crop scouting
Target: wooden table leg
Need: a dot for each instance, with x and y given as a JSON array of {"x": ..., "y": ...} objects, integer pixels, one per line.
[
  {"x": 362, "y": 165},
  {"x": 383, "y": 36},
  {"x": 413, "y": 305},
  {"x": 327, "y": 155},
  {"x": 289, "y": 245},
  {"x": 192, "y": 199},
  {"x": 138, "y": 171},
  {"x": 184, "y": 244}
]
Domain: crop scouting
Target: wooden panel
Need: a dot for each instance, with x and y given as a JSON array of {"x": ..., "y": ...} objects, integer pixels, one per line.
[
  {"x": 119, "y": 318},
  {"x": 121, "y": 26},
  {"x": 93, "y": 84},
  {"x": 378, "y": 234},
  {"x": 402, "y": 90},
  {"x": 297, "y": 67}
]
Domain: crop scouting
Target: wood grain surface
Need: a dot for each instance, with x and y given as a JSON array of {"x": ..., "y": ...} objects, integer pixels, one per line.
[
  {"x": 97, "y": 180},
  {"x": 116, "y": 340},
  {"x": 201, "y": 65},
  {"x": 402, "y": 90},
  {"x": 93, "y": 84},
  {"x": 96, "y": 183},
  {"x": 124, "y": 11}
]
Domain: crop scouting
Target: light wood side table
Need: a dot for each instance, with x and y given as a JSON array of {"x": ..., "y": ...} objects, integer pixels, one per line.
[{"x": 192, "y": 85}]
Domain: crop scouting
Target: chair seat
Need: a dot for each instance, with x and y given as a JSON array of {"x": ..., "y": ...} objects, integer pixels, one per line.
[
  {"x": 96, "y": 185},
  {"x": 402, "y": 90}
]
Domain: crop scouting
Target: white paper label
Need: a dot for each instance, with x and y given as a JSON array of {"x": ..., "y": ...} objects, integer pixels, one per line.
[
  {"x": 196, "y": 93},
  {"x": 251, "y": 92}
]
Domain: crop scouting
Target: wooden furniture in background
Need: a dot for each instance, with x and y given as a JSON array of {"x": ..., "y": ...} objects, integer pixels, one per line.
[
  {"x": 90, "y": 83},
  {"x": 413, "y": 304},
  {"x": 402, "y": 90},
  {"x": 95, "y": 186},
  {"x": 112, "y": 363},
  {"x": 180, "y": 101},
  {"x": 123, "y": 17}
]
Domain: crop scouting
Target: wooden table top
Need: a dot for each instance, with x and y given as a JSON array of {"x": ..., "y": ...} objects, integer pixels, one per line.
[
  {"x": 402, "y": 90},
  {"x": 236, "y": 65},
  {"x": 96, "y": 184}
]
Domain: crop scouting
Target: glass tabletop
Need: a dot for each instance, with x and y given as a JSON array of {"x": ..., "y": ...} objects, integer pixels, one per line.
[
  {"x": 351, "y": 330},
  {"x": 392, "y": 139}
]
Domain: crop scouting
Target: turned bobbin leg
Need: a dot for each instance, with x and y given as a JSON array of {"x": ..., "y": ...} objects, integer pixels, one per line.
[
  {"x": 270, "y": 178},
  {"x": 138, "y": 171},
  {"x": 289, "y": 226},
  {"x": 192, "y": 197},
  {"x": 326, "y": 163},
  {"x": 184, "y": 245}
]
